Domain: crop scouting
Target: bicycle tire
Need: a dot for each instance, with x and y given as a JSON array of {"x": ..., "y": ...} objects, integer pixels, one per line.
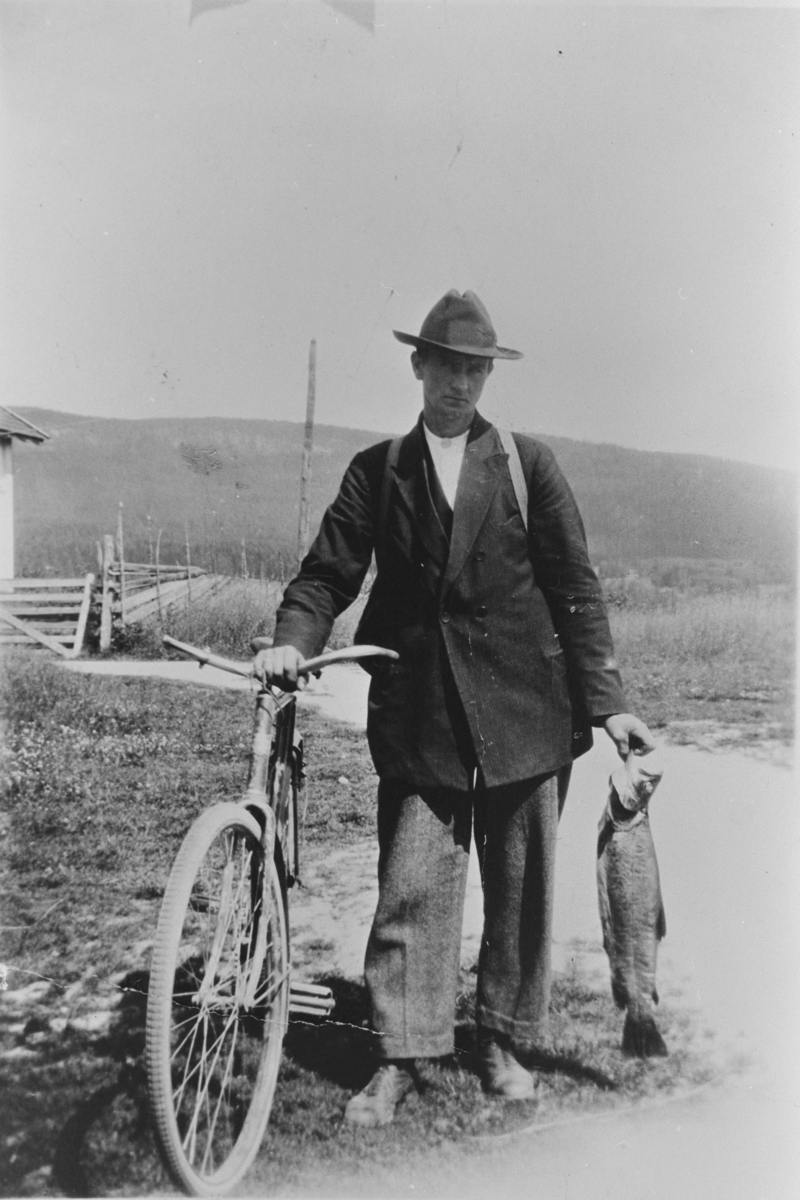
[{"x": 214, "y": 1036}]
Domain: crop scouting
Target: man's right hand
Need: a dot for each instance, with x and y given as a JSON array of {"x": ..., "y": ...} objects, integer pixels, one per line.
[{"x": 279, "y": 666}]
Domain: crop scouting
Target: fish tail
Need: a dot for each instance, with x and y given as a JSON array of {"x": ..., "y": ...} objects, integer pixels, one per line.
[{"x": 641, "y": 1038}]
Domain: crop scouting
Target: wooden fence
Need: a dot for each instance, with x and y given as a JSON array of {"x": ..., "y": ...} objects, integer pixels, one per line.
[
  {"x": 54, "y": 612},
  {"x": 50, "y": 612},
  {"x": 132, "y": 592}
]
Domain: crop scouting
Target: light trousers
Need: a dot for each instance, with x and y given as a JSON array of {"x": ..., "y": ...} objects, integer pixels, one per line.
[{"x": 414, "y": 948}]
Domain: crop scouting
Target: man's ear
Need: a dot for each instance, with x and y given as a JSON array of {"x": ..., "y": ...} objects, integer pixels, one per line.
[
  {"x": 491, "y": 366},
  {"x": 416, "y": 364}
]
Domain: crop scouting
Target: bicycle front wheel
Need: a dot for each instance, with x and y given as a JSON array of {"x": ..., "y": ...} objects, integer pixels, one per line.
[{"x": 218, "y": 1002}]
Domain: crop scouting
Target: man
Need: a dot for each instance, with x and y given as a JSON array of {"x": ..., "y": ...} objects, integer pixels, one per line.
[{"x": 505, "y": 663}]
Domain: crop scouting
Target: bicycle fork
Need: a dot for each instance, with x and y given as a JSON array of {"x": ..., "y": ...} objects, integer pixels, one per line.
[{"x": 306, "y": 998}]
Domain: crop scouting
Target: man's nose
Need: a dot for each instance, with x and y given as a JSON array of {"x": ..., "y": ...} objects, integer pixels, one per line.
[{"x": 459, "y": 380}]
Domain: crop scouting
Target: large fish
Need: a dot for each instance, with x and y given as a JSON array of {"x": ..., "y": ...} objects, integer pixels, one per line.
[{"x": 631, "y": 908}]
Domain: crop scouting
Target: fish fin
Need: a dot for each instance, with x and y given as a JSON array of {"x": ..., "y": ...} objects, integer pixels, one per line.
[
  {"x": 605, "y": 834},
  {"x": 605, "y": 920},
  {"x": 641, "y": 1038},
  {"x": 661, "y": 922}
]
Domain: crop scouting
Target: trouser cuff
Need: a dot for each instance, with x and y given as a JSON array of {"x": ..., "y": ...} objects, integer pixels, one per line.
[
  {"x": 522, "y": 1033},
  {"x": 391, "y": 1046}
]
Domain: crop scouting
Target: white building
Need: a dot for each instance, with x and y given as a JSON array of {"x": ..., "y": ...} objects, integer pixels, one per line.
[{"x": 11, "y": 426}]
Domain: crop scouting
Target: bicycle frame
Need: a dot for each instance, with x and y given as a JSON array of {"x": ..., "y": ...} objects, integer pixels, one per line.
[
  {"x": 276, "y": 775},
  {"x": 276, "y": 760},
  {"x": 276, "y": 772}
]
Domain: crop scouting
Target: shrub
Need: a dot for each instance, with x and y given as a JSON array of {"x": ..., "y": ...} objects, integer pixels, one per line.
[{"x": 227, "y": 621}]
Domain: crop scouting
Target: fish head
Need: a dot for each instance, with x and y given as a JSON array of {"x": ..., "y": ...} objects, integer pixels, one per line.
[{"x": 634, "y": 781}]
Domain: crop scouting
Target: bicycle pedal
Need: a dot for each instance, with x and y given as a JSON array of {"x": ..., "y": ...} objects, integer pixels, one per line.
[{"x": 311, "y": 999}]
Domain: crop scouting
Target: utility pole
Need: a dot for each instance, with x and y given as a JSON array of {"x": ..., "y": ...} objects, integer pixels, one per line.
[{"x": 305, "y": 477}]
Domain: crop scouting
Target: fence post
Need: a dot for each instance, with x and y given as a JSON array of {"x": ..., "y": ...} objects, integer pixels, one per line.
[
  {"x": 121, "y": 552},
  {"x": 107, "y": 593},
  {"x": 188, "y": 564},
  {"x": 83, "y": 617},
  {"x": 158, "y": 581}
]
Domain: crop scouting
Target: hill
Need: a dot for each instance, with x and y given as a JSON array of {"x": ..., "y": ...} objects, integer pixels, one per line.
[{"x": 234, "y": 484}]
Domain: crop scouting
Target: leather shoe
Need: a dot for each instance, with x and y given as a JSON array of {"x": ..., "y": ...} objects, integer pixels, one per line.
[
  {"x": 502, "y": 1074},
  {"x": 376, "y": 1104}
]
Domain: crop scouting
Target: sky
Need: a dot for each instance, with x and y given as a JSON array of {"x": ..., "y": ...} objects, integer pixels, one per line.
[{"x": 185, "y": 204}]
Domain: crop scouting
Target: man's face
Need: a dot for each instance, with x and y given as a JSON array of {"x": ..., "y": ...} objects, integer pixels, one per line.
[{"x": 451, "y": 388}]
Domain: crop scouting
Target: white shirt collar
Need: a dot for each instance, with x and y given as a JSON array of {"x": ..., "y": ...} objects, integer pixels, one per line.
[
  {"x": 448, "y": 455},
  {"x": 438, "y": 443}
]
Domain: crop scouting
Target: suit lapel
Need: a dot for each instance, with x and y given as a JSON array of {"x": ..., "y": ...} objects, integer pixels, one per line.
[
  {"x": 479, "y": 479},
  {"x": 480, "y": 476},
  {"x": 413, "y": 489}
]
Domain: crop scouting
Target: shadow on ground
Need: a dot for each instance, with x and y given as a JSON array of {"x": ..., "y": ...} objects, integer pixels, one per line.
[
  {"x": 77, "y": 1120},
  {"x": 75, "y": 1107},
  {"x": 341, "y": 1050}
]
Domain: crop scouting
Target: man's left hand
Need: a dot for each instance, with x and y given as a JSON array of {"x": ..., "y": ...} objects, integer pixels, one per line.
[{"x": 629, "y": 734}]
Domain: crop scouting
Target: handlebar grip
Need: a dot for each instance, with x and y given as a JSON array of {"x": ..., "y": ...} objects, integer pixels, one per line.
[
  {"x": 206, "y": 658},
  {"x": 347, "y": 654}
]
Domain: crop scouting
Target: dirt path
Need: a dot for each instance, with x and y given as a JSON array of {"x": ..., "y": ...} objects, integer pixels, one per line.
[
  {"x": 727, "y": 834},
  {"x": 726, "y": 831}
]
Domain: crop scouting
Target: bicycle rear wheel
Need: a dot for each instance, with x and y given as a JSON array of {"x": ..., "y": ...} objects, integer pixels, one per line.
[{"x": 218, "y": 1002}]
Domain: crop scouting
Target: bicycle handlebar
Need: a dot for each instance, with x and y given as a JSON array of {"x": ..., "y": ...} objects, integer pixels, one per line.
[{"x": 347, "y": 654}]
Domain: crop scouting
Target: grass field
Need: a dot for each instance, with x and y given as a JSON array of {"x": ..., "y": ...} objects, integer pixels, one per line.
[
  {"x": 726, "y": 659},
  {"x": 102, "y": 778}
]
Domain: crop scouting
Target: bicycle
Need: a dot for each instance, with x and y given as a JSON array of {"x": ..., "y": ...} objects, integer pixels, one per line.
[{"x": 220, "y": 990}]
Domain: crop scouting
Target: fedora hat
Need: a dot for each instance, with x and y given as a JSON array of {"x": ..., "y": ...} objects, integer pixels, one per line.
[{"x": 459, "y": 323}]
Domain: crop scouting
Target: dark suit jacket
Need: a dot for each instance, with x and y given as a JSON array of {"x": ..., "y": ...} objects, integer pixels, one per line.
[{"x": 505, "y": 652}]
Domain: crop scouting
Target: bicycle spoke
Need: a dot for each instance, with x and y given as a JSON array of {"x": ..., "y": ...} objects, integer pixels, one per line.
[
  {"x": 226, "y": 1006},
  {"x": 178, "y": 1093},
  {"x": 203, "y": 1090},
  {"x": 239, "y": 912},
  {"x": 261, "y": 1001},
  {"x": 226, "y": 1085},
  {"x": 234, "y": 929},
  {"x": 204, "y": 1015}
]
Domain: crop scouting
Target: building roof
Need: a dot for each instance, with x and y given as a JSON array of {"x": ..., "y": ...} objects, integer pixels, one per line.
[{"x": 12, "y": 425}]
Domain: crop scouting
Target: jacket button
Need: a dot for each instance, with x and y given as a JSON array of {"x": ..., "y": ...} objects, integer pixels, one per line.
[
  {"x": 444, "y": 616},
  {"x": 480, "y": 555},
  {"x": 481, "y": 611}
]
